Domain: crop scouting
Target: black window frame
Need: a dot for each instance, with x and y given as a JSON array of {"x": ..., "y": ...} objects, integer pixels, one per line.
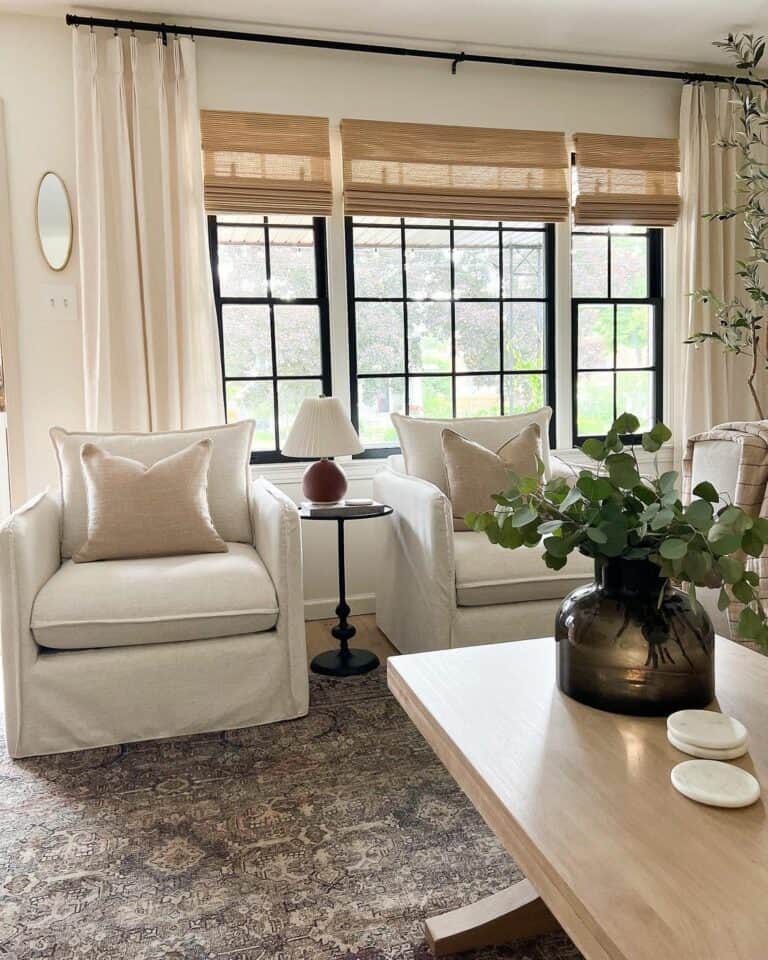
[
  {"x": 655, "y": 299},
  {"x": 548, "y": 300},
  {"x": 268, "y": 222}
]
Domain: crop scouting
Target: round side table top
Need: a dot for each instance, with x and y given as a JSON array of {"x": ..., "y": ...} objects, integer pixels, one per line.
[{"x": 350, "y": 513}]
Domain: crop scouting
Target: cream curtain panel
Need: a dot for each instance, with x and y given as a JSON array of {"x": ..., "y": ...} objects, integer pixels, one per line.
[
  {"x": 266, "y": 163},
  {"x": 150, "y": 338},
  {"x": 429, "y": 170},
  {"x": 712, "y": 385},
  {"x": 632, "y": 180}
]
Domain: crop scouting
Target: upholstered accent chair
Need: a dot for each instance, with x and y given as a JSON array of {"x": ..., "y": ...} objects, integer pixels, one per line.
[
  {"x": 124, "y": 650},
  {"x": 734, "y": 458},
  {"x": 438, "y": 587}
]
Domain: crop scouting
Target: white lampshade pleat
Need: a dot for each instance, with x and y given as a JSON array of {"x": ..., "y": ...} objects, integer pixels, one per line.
[{"x": 321, "y": 429}]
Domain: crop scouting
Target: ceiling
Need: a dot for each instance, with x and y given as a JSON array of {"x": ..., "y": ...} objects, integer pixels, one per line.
[{"x": 673, "y": 31}]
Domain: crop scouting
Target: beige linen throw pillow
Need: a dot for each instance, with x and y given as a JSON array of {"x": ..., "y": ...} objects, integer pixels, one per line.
[
  {"x": 140, "y": 511},
  {"x": 473, "y": 473}
]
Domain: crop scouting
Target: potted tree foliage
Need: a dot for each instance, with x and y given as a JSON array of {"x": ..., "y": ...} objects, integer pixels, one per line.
[
  {"x": 741, "y": 320},
  {"x": 632, "y": 641}
]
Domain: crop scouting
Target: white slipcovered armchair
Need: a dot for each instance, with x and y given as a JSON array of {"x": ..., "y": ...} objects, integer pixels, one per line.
[
  {"x": 124, "y": 650},
  {"x": 439, "y": 588}
]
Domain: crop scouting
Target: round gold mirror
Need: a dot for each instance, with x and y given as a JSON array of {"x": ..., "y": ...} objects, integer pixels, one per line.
[{"x": 54, "y": 221}]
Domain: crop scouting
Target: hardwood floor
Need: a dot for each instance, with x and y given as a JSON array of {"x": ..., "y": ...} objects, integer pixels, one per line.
[{"x": 369, "y": 637}]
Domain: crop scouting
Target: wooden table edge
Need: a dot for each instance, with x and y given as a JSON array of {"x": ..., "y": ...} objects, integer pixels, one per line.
[{"x": 562, "y": 903}]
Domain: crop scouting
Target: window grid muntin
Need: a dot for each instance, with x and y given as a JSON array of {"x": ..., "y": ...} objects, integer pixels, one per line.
[
  {"x": 654, "y": 299},
  {"x": 320, "y": 300},
  {"x": 500, "y": 230}
]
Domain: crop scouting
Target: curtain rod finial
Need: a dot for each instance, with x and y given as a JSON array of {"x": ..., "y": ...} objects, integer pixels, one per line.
[{"x": 460, "y": 57}]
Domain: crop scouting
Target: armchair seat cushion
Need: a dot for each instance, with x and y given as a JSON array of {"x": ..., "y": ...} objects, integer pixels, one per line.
[
  {"x": 117, "y": 603},
  {"x": 487, "y": 574}
]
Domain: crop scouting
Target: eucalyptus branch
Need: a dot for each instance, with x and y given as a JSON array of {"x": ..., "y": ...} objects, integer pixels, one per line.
[{"x": 611, "y": 511}]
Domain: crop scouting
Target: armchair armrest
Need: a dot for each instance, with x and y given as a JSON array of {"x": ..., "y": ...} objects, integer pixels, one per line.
[
  {"x": 416, "y": 589},
  {"x": 277, "y": 540},
  {"x": 30, "y": 554}
]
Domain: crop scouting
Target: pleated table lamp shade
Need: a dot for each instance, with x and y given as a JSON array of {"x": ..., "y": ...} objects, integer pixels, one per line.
[{"x": 322, "y": 429}]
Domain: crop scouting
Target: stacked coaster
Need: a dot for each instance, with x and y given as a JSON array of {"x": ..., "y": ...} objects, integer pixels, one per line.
[
  {"x": 705, "y": 734},
  {"x": 713, "y": 738}
]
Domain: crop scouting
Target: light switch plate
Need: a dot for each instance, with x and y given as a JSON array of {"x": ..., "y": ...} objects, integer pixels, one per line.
[{"x": 59, "y": 299}]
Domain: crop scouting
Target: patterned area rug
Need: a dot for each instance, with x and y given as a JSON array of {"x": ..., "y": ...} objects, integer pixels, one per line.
[{"x": 326, "y": 838}]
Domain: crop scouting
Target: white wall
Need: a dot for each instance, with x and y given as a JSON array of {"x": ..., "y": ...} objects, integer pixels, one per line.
[
  {"x": 36, "y": 85},
  {"x": 36, "y": 89}
]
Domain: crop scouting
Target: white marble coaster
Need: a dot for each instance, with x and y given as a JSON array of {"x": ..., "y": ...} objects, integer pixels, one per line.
[
  {"x": 715, "y": 784},
  {"x": 704, "y": 753},
  {"x": 705, "y": 728}
]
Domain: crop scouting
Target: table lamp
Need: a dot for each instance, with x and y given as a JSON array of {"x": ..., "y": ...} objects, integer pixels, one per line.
[{"x": 322, "y": 429}]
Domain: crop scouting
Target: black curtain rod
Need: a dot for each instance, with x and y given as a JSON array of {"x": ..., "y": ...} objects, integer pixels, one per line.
[{"x": 163, "y": 29}]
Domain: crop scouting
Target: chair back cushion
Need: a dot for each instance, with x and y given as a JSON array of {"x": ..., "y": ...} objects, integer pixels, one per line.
[
  {"x": 139, "y": 511},
  {"x": 228, "y": 474},
  {"x": 421, "y": 439},
  {"x": 473, "y": 473}
]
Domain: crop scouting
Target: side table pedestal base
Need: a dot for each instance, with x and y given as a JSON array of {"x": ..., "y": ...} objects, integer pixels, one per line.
[{"x": 335, "y": 663}]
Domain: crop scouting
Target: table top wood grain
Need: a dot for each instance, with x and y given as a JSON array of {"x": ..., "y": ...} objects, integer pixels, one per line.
[{"x": 583, "y": 801}]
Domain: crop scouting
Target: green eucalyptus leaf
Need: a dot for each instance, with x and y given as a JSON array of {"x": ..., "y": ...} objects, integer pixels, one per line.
[
  {"x": 760, "y": 527},
  {"x": 673, "y": 549},
  {"x": 697, "y": 565},
  {"x": 668, "y": 481},
  {"x": 661, "y": 432},
  {"x": 723, "y": 600},
  {"x": 550, "y": 526},
  {"x": 558, "y": 546},
  {"x": 470, "y": 519},
  {"x": 511, "y": 536},
  {"x": 522, "y": 517},
  {"x": 528, "y": 485},
  {"x": 731, "y": 568},
  {"x": 751, "y": 544},
  {"x": 594, "y": 448},
  {"x": 743, "y": 591},
  {"x": 622, "y": 470},
  {"x": 553, "y": 562},
  {"x": 661, "y": 519},
  {"x": 649, "y": 443},
  {"x": 752, "y": 578},
  {"x": 644, "y": 493},
  {"x": 750, "y": 625},
  {"x": 597, "y": 535},
  {"x": 574, "y": 496},
  {"x": 699, "y": 514},
  {"x": 706, "y": 491},
  {"x": 626, "y": 423},
  {"x": 723, "y": 540},
  {"x": 594, "y": 488}
]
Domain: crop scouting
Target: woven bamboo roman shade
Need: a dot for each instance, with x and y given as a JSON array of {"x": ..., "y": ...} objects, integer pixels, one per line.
[
  {"x": 265, "y": 163},
  {"x": 426, "y": 170},
  {"x": 632, "y": 180}
]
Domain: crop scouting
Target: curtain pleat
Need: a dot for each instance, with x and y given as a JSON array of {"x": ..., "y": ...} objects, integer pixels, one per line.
[{"x": 150, "y": 338}]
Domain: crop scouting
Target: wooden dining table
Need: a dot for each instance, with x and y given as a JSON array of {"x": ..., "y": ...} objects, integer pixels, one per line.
[{"x": 583, "y": 802}]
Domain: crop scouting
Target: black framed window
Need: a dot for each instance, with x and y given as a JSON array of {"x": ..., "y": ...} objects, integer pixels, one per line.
[
  {"x": 617, "y": 317},
  {"x": 447, "y": 318},
  {"x": 270, "y": 286}
]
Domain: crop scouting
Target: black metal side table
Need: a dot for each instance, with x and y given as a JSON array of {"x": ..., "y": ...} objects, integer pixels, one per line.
[{"x": 346, "y": 661}]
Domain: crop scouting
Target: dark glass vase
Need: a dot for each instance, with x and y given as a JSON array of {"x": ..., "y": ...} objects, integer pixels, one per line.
[{"x": 620, "y": 650}]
